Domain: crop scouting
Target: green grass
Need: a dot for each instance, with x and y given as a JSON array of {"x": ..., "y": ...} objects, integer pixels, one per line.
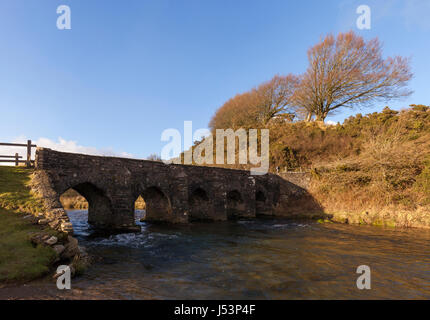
[
  {"x": 14, "y": 190},
  {"x": 19, "y": 259}
]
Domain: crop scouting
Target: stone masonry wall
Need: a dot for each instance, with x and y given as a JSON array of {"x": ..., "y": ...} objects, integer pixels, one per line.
[{"x": 111, "y": 186}]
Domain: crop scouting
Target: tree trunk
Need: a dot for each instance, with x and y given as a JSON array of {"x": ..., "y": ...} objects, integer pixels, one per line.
[{"x": 320, "y": 117}]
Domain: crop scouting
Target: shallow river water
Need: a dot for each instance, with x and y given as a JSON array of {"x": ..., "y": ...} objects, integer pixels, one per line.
[{"x": 260, "y": 259}]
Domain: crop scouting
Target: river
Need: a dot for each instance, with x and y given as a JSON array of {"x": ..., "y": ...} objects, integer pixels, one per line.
[{"x": 258, "y": 259}]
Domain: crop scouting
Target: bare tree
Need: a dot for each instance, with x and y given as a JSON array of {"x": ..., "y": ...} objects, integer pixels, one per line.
[
  {"x": 154, "y": 157},
  {"x": 255, "y": 108},
  {"x": 237, "y": 112},
  {"x": 273, "y": 98},
  {"x": 349, "y": 72}
]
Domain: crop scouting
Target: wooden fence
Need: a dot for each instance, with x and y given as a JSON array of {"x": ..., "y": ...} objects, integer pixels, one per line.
[{"x": 16, "y": 158}]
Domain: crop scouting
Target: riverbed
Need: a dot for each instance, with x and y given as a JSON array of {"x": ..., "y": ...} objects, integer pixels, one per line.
[{"x": 256, "y": 259}]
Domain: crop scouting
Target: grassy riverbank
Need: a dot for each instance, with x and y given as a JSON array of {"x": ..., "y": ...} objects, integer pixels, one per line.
[
  {"x": 20, "y": 260},
  {"x": 15, "y": 192}
]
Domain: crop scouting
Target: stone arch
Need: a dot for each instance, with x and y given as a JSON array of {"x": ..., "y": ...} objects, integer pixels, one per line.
[
  {"x": 260, "y": 196},
  {"x": 73, "y": 200},
  {"x": 157, "y": 204},
  {"x": 139, "y": 208},
  {"x": 261, "y": 203},
  {"x": 235, "y": 205},
  {"x": 199, "y": 205},
  {"x": 99, "y": 204}
]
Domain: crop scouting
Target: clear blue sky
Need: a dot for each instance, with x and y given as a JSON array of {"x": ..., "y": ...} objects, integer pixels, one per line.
[{"x": 130, "y": 69}]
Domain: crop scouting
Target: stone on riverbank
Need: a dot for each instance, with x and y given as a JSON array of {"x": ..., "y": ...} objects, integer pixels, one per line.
[
  {"x": 67, "y": 227},
  {"x": 59, "y": 248},
  {"x": 51, "y": 241},
  {"x": 71, "y": 249},
  {"x": 43, "y": 221}
]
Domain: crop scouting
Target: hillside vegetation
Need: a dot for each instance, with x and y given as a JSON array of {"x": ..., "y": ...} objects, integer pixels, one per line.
[
  {"x": 378, "y": 162},
  {"x": 72, "y": 200},
  {"x": 372, "y": 168}
]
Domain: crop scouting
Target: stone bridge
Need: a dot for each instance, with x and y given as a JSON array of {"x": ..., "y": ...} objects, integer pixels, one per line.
[{"x": 173, "y": 193}]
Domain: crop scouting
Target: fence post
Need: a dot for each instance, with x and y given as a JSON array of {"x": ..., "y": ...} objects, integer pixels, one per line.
[
  {"x": 28, "y": 153},
  {"x": 16, "y": 159}
]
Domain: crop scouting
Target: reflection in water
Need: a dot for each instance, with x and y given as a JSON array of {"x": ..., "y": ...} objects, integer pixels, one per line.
[{"x": 261, "y": 259}]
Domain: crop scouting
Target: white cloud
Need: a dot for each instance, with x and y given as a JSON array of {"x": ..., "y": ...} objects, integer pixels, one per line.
[
  {"x": 72, "y": 146},
  {"x": 331, "y": 123},
  {"x": 60, "y": 145}
]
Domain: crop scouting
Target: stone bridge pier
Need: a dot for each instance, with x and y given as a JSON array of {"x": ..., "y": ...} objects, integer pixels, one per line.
[{"x": 172, "y": 193}]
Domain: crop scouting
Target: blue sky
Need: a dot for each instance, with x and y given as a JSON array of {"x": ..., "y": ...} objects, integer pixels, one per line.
[{"x": 130, "y": 69}]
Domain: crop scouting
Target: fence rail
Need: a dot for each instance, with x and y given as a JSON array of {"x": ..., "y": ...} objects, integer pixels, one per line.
[{"x": 16, "y": 158}]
